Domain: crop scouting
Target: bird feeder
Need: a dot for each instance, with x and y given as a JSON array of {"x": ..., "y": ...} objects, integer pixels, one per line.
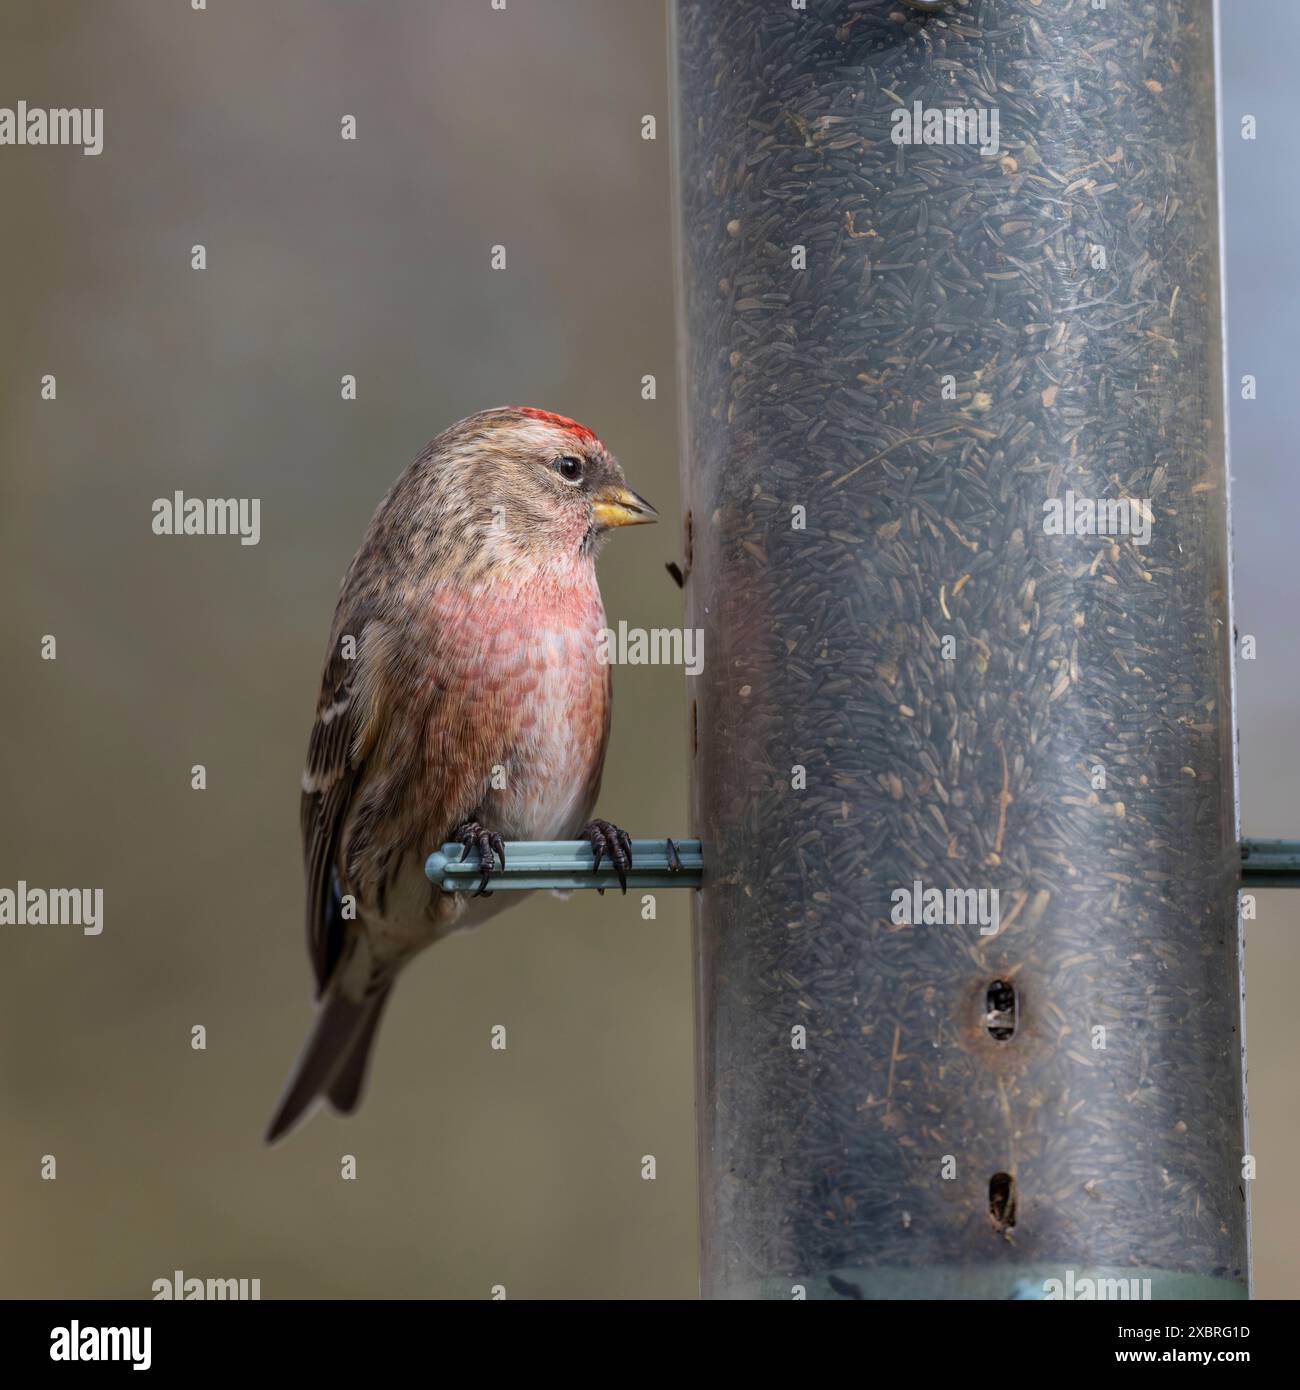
[{"x": 969, "y": 960}]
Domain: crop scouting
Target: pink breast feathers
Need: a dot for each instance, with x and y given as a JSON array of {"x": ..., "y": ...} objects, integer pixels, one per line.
[{"x": 529, "y": 664}]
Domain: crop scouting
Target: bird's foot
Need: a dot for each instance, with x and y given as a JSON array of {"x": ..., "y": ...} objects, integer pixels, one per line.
[
  {"x": 607, "y": 839},
  {"x": 488, "y": 843}
]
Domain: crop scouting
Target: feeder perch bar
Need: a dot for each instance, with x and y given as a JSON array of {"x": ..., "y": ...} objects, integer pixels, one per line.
[
  {"x": 566, "y": 864},
  {"x": 1270, "y": 863}
]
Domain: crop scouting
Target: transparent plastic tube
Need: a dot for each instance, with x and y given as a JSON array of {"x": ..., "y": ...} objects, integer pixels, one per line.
[{"x": 968, "y": 952}]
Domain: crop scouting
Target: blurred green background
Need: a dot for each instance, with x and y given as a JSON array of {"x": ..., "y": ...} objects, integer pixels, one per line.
[{"x": 476, "y": 127}]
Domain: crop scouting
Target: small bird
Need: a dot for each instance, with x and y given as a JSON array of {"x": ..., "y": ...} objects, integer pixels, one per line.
[{"x": 463, "y": 699}]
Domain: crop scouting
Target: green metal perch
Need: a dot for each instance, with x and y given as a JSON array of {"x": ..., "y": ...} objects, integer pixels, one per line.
[
  {"x": 1270, "y": 863},
  {"x": 566, "y": 864}
]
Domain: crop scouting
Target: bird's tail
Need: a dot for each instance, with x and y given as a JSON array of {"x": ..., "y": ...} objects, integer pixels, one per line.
[{"x": 333, "y": 1063}]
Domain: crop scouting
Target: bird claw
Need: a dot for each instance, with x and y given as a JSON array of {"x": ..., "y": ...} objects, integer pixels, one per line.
[
  {"x": 489, "y": 845},
  {"x": 608, "y": 839}
]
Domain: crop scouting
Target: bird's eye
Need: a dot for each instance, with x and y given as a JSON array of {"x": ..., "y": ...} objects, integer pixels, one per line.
[{"x": 569, "y": 468}]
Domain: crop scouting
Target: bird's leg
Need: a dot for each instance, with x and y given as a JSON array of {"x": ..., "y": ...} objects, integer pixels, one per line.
[
  {"x": 609, "y": 839},
  {"x": 489, "y": 845}
]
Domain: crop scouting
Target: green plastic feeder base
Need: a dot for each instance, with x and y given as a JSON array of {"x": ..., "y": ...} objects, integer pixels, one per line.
[{"x": 1045, "y": 1282}]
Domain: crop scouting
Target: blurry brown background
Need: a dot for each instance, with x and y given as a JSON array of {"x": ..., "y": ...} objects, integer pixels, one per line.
[{"x": 371, "y": 257}]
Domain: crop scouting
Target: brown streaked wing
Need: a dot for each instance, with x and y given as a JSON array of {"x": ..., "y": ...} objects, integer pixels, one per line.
[{"x": 335, "y": 756}]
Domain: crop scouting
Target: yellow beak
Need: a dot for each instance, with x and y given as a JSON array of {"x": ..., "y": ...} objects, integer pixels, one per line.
[{"x": 620, "y": 506}]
